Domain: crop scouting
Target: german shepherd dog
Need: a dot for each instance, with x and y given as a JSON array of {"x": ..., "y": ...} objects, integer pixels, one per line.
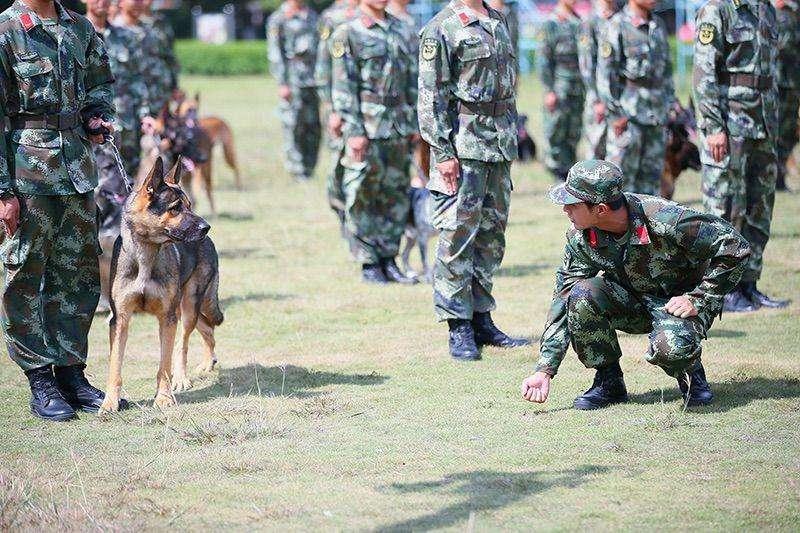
[
  {"x": 682, "y": 152},
  {"x": 163, "y": 264}
]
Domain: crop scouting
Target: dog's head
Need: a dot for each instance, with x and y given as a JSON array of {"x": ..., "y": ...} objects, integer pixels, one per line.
[
  {"x": 159, "y": 211},
  {"x": 184, "y": 131}
]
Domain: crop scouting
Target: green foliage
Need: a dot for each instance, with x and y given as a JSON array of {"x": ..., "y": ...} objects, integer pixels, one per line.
[{"x": 229, "y": 59}]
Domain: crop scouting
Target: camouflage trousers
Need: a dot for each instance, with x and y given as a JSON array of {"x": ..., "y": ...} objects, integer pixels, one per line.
[
  {"x": 52, "y": 281},
  {"x": 472, "y": 225},
  {"x": 562, "y": 132},
  {"x": 334, "y": 184},
  {"x": 301, "y": 131},
  {"x": 598, "y": 307},
  {"x": 639, "y": 152},
  {"x": 376, "y": 199},
  {"x": 789, "y": 100},
  {"x": 741, "y": 189},
  {"x": 595, "y": 133}
]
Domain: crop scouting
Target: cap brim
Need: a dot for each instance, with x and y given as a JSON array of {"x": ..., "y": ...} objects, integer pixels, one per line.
[{"x": 559, "y": 195}]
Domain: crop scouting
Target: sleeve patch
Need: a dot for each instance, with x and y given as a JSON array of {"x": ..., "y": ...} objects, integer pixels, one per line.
[
  {"x": 325, "y": 32},
  {"x": 338, "y": 48},
  {"x": 429, "y": 49},
  {"x": 605, "y": 49},
  {"x": 706, "y": 33}
]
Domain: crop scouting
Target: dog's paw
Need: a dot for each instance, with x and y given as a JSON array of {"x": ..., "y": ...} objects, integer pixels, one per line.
[
  {"x": 206, "y": 367},
  {"x": 181, "y": 383},
  {"x": 164, "y": 400},
  {"x": 109, "y": 405}
]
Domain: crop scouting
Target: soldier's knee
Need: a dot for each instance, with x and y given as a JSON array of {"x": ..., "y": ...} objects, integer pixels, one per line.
[
  {"x": 672, "y": 348},
  {"x": 585, "y": 297}
]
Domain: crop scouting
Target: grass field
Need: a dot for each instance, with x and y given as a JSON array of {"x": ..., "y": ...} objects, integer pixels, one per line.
[{"x": 336, "y": 406}]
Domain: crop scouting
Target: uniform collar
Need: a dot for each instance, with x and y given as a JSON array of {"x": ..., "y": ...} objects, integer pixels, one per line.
[
  {"x": 369, "y": 21},
  {"x": 467, "y": 16},
  {"x": 637, "y": 226},
  {"x": 30, "y": 19},
  {"x": 564, "y": 15},
  {"x": 634, "y": 18}
]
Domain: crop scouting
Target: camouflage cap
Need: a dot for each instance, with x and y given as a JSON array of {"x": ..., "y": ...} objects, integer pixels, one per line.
[{"x": 594, "y": 181}]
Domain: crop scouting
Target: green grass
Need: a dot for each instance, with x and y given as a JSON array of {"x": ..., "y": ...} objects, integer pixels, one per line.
[{"x": 336, "y": 405}]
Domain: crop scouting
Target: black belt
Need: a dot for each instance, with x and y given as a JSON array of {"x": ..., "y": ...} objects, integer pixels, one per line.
[
  {"x": 753, "y": 81},
  {"x": 641, "y": 83},
  {"x": 56, "y": 121},
  {"x": 387, "y": 100},
  {"x": 566, "y": 60},
  {"x": 489, "y": 109}
]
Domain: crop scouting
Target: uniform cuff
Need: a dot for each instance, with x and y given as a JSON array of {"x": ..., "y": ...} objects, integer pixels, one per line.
[{"x": 443, "y": 155}]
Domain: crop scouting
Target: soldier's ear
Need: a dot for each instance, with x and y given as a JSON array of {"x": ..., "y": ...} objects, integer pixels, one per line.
[
  {"x": 173, "y": 177},
  {"x": 154, "y": 179}
]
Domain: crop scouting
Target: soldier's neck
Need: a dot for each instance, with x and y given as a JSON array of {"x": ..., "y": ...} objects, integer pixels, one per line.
[
  {"x": 377, "y": 14},
  {"x": 99, "y": 22},
  {"x": 398, "y": 7},
  {"x": 475, "y": 5},
  {"x": 638, "y": 11},
  {"x": 616, "y": 222},
  {"x": 44, "y": 9}
]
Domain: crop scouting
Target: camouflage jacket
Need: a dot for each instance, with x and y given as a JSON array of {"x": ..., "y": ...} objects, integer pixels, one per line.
[
  {"x": 156, "y": 71},
  {"x": 736, "y": 38},
  {"x": 292, "y": 43},
  {"x": 467, "y": 62},
  {"x": 789, "y": 46},
  {"x": 374, "y": 87},
  {"x": 672, "y": 251},
  {"x": 131, "y": 93},
  {"x": 634, "y": 69},
  {"x": 592, "y": 31},
  {"x": 329, "y": 20},
  {"x": 164, "y": 35},
  {"x": 40, "y": 75},
  {"x": 408, "y": 27},
  {"x": 558, "y": 53}
]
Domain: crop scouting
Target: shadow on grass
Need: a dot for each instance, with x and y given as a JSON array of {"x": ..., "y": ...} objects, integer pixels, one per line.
[
  {"x": 236, "y": 217},
  {"x": 243, "y": 253},
  {"x": 289, "y": 380},
  {"x": 730, "y": 394},
  {"x": 485, "y": 490},
  {"x": 519, "y": 271},
  {"x": 726, "y": 333},
  {"x": 254, "y": 297}
]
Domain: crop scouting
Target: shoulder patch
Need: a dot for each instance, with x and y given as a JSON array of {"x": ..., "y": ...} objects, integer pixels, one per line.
[
  {"x": 605, "y": 49},
  {"x": 706, "y": 33},
  {"x": 338, "y": 48},
  {"x": 429, "y": 49},
  {"x": 325, "y": 32}
]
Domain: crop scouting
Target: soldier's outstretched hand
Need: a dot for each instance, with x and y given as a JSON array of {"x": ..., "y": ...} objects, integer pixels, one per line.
[
  {"x": 681, "y": 307},
  {"x": 9, "y": 214},
  {"x": 536, "y": 388},
  {"x": 358, "y": 147}
]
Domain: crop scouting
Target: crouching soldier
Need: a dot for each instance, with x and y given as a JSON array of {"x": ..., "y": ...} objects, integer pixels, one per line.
[{"x": 666, "y": 269}]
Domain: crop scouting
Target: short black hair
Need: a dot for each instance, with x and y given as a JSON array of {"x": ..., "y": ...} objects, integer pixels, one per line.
[{"x": 613, "y": 204}]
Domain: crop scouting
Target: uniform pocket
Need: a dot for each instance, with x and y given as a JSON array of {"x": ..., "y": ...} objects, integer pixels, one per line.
[
  {"x": 472, "y": 50},
  {"x": 372, "y": 49},
  {"x": 36, "y": 81}
]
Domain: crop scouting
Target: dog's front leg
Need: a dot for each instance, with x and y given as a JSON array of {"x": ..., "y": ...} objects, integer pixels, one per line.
[
  {"x": 119, "y": 338},
  {"x": 167, "y": 325}
]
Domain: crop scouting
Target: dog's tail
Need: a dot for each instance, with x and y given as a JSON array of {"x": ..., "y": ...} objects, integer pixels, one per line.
[
  {"x": 210, "y": 303},
  {"x": 226, "y": 136}
]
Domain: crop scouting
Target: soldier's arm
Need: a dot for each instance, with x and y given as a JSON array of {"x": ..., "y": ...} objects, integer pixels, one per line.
[
  {"x": 708, "y": 238},
  {"x": 412, "y": 91},
  {"x": 609, "y": 71},
  {"x": 275, "y": 52},
  {"x": 669, "y": 84},
  {"x": 556, "y": 337},
  {"x": 5, "y": 167},
  {"x": 547, "y": 58},
  {"x": 99, "y": 82},
  {"x": 708, "y": 50},
  {"x": 344, "y": 85},
  {"x": 434, "y": 96},
  {"x": 587, "y": 60},
  {"x": 322, "y": 69}
]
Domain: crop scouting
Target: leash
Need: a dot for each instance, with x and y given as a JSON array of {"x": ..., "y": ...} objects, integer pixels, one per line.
[{"x": 118, "y": 159}]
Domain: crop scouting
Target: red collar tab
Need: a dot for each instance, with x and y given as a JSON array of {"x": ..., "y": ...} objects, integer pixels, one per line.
[
  {"x": 27, "y": 21},
  {"x": 592, "y": 238},
  {"x": 464, "y": 18},
  {"x": 644, "y": 236}
]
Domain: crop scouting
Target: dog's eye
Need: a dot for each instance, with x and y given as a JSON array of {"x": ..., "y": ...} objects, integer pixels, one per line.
[{"x": 176, "y": 207}]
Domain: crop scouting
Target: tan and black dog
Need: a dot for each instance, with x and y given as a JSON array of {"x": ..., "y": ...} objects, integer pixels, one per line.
[{"x": 163, "y": 264}]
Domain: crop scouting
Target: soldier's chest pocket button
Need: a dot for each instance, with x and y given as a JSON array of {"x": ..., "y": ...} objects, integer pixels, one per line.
[
  {"x": 473, "y": 50},
  {"x": 36, "y": 82},
  {"x": 371, "y": 50}
]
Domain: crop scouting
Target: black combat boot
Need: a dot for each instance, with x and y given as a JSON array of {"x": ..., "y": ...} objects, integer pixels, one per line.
[
  {"x": 759, "y": 298},
  {"x": 486, "y": 333},
  {"x": 608, "y": 388},
  {"x": 393, "y": 274},
  {"x": 694, "y": 387},
  {"x": 373, "y": 273},
  {"x": 77, "y": 390},
  {"x": 737, "y": 301},
  {"x": 462, "y": 340},
  {"x": 46, "y": 400}
]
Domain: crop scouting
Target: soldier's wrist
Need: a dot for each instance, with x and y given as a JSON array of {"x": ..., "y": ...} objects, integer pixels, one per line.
[
  {"x": 443, "y": 155},
  {"x": 6, "y": 194}
]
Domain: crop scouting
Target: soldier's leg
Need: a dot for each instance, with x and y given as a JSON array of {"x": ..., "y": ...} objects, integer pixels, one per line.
[
  {"x": 596, "y": 308},
  {"x": 760, "y": 174},
  {"x": 675, "y": 343},
  {"x": 555, "y": 124},
  {"x": 25, "y": 256},
  {"x": 651, "y": 166},
  {"x": 72, "y": 281},
  {"x": 309, "y": 131},
  {"x": 625, "y": 151},
  {"x": 787, "y": 138},
  {"x": 595, "y": 133},
  {"x": 394, "y": 201},
  {"x": 723, "y": 183},
  {"x": 457, "y": 218},
  {"x": 362, "y": 189},
  {"x": 290, "y": 114},
  {"x": 490, "y": 241},
  {"x": 574, "y": 127}
]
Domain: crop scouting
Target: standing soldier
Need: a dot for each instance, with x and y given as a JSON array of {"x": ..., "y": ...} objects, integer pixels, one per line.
[
  {"x": 468, "y": 114},
  {"x": 374, "y": 93},
  {"x": 735, "y": 91},
  {"x": 293, "y": 39},
  {"x": 634, "y": 80},
  {"x": 165, "y": 39},
  {"x": 788, "y": 15},
  {"x": 593, "y": 31},
  {"x": 563, "y": 87},
  {"x": 508, "y": 8},
  {"x": 55, "y": 99}
]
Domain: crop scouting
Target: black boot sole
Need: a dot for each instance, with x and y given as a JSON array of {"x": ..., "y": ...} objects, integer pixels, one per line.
[
  {"x": 466, "y": 358},
  {"x": 61, "y": 418},
  {"x": 123, "y": 405},
  {"x": 593, "y": 406},
  {"x": 503, "y": 345}
]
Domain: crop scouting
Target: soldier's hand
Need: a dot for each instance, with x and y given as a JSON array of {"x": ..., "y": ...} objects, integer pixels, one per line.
[
  {"x": 536, "y": 388},
  {"x": 149, "y": 125},
  {"x": 620, "y": 125},
  {"x": 9, "y": 214},
  {"x": 358, "y": 148},
  {"x": 718, "y": 145},
  {"x": 450, "y": 170},
  {"x": 681, "y": 307},
  {"x": 97, "y": 123},
  {"x": 599, "y": 109},
  {"x": 550, "y": 101},
  {"x": 335, "y": 125},
  {"x": 285, "y": 92}
]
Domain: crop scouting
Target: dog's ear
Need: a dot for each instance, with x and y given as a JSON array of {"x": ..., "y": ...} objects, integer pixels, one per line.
[
  {"x": 155, "y": 178},
  {"x": 173, "y": 177}
]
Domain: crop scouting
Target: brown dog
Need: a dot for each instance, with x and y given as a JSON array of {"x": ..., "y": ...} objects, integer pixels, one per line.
[
  {"x": 165, "y": 265},
  {"x": 681, "y": 153}
]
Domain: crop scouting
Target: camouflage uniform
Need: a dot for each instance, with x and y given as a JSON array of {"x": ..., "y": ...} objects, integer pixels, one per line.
[
  {"x": 373, "y": 91},
  {"x": 669, "y": 250},
  {"x": 592, "y": 31},
  {"x": 735, "y": 92},
  {"x": 157, "y": 74},
  {"x": 329, "y": 20},
  {"x": 788, "y": 83},
  {"x": 158, "y": 24},
  {"x": 293, "y": 41},
  {"x": 54, "y": 78},
  {"x": 560, "y": 75},
  {"x": 634, "y": 79},
  {"x": 467, "y": 110}
]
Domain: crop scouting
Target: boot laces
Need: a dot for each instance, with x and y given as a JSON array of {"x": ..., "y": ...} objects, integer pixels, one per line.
[{"x": 46, "y": 389}]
